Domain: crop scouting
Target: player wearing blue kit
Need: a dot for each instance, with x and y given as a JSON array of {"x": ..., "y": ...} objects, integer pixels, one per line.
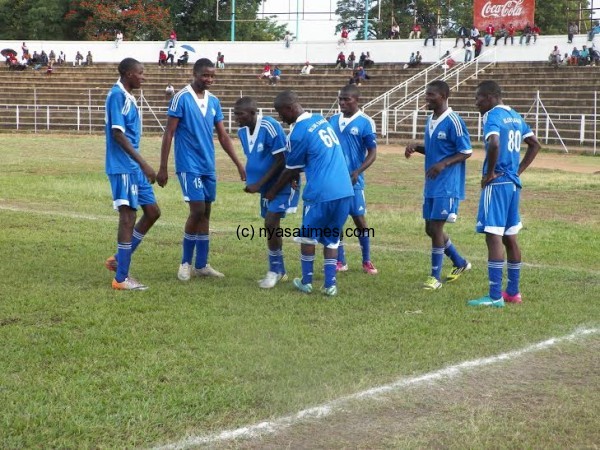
[
  {"x": 129, "y": 174},
  {"x": 356, "y": 132},
  {"x": 447, "y": 147},
  {"x": 327, "y": 196},
  {"x": 193, "y": 114},
  {"x": 503, "y": 130},
  {"x": 264, "y": 144}
]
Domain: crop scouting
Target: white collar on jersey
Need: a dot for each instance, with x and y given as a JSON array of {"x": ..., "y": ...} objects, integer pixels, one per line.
[
  {"x": 251, "y": 138},
  {"x": 129, "y": 95},
  {"x": 433, "y": 123},
  {"x": 345, "y": 121},
  {"x": 201, "y": 102}
]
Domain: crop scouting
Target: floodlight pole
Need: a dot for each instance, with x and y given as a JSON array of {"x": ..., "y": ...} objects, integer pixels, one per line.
[
  {"x": 297, "y": 20},
  {"x": 233, "y": 21},
  {"x": 366, "y": 30}
]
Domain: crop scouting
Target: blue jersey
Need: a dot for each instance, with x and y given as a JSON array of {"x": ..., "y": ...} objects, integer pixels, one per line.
[
  {"x": 121, "y": 113},
  {"x": 267, "y": 140},
  {"x": 511, "y": 129},
  {"x": 194, "y": 146},
  {"x": 357, "y": 137},
  {"x": 446, "y": 136},
  {"x": 314, "y": 147}
]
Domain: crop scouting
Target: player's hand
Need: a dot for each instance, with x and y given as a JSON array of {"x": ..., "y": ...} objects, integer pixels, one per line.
[
  {"x": 149, "y": 172},
  {"x": 270, "y": 195},
  {"x": 354, "y": 177},
  {"x": 409, "y": 150},
  {"x": 162, "y": 177},
  {"x": 435, "y": 170},
  {"x": 487, "y": 179},
  {"x": 242, "y": 172},
  {"x": 252, "y": 188}
]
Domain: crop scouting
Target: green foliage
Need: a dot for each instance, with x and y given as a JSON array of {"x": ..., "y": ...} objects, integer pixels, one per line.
[{"x": 33, "y": 19}]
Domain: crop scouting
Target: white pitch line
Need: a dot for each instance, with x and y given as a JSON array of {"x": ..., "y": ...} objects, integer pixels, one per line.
[
  {"x": 164, "y": 223},
  {"x": 324, "y": 410}
]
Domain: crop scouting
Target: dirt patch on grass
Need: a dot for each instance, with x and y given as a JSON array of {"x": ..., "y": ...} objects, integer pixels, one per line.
[
  {"x": 568, "y": 162},
  {"x": 545, "y": 399}
]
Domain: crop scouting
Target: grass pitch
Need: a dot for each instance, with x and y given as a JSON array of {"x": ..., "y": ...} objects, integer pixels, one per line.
[{"x": 84, "y": 366}]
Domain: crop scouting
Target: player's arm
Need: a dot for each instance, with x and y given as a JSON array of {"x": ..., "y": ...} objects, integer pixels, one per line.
[
  {"x": 437, "y": 168},
  {"x": 165, "y": 149},
  {"x": 533, "y": 147},
  {"x": 227, "y": 145},
  {"x": 414, "y": 148},
  {"x": 286, "y": 177},
  {"x": 125, "y": 144},
  {"x": 493, "y": 148},
  {"x": 275, "y": 168},
  {"x": 370, "y": 159}
]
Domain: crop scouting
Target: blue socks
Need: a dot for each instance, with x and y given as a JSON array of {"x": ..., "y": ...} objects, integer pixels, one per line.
[
  {"x": 124, "y": 258},
  {"x": 495, "y": 278},
  {"x": 329, "y": 270},
  {"x": 514, "y": 276},
  {"x": 437, "y": 259},
  {"x": 341, "y": 253},
  {"x": 189, "y": 243},
  {"x": 451, "y": 252},
  {"x": 307, "y": 262},
  {"x": 202, "y": 244},
  {"x": 365, "y": 246}
]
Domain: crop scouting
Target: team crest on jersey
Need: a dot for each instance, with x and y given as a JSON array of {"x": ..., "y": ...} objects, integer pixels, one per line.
[
  {"x": 441, "y": 135},
  {"x": 260, "y": 147},
  {"x": 354, "y": 131}
]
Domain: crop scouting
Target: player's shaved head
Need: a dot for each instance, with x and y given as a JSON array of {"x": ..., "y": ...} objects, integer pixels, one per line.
[
  {"x": 490, "y": 88},
  {"x": 127, "y": 65},
  {"x": 246, "y": 103},
  {"x": 202, "y": 64},
  {"x": 350, "y": 90},
  {"x": 286, "y": 98},
  {"x": 441, "y": 87}
]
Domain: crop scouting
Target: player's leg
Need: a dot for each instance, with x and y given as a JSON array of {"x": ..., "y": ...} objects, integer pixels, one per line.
[
  {"x": 364, "y": 239},
  {"x": 311, "y": 223},
  {"x": 459, "y": 264},
  {"x": 333, "y": 217},
  {"x": 435, "y": 230},
  {"x": 513, "y": 252},
  {"x": 274, "y": 244}
]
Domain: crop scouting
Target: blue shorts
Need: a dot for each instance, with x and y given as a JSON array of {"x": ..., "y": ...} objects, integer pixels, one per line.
[
  {"x": 359, "y": 204},
  {"x": 198, "y": 188},
  {"x": 281, "y": 204},
  {"x": 499, "y": 209},
  {"x": 131, "y": 189},
  {"x": 441, "y": 208},
  {"x": 324, "y": 222}
]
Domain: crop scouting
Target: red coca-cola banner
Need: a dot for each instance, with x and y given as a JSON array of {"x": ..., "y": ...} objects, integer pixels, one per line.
[{"x": 498, "y": 12}]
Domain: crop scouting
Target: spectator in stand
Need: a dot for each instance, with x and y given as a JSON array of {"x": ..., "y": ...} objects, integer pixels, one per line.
[
  {"x": 78, "y": 59},
  {"x": 414, "y": 60},
  {"x": 306, "y": 69},
  {"x": 173, "y": 38},
  {"x": 554, "y": 57},
  {"x": 415, "y": 31},
  {"x": 43, "y": 58},
  {"x": 361, "y": 60},
  {"x": 169, "y": 91},
  {"x": 573, "y": 30},
  {"x": 52, "y": 58},
  {"x": 368, "y": 61},
  {"x": 62, "y": 58},
  {"x": 593, "y": 32},
  {"x": 510, "y": 34},
  {"x": 394, "y": 31},
  {"x": 183, "y": 59},
  {"x": 351, "y": 60},
  {"x": 489, "y": 34},
  {"x": 525, "y": 34},
  {"x": 360, "y": 74},
  {"x": 449, "y": 62},
  {"x": 502, "y": 33},
  {"x": 89, "y": 59},
  {"x": 566, "y": 60},
  {"x": 584, "y": 56},
  {"x": 535, "y": 32},
  {"x": 474, "y": 32},
  {"x": 477, "y": 45},
  {"x": 287, "y": 39},
  {"x": 171, "y": 54},
  {"x": 266, "y": 72},
  {"x": 468, "y": 51},
  {"x": 461, "y": 35},
  {"x": 340, "y": 62},
  {"x": 431, "y": 34},
  {"x": 162, "y": 58},
  {"x": 275, "y": 77},
  {"x": 35, "y": 58},
  {"x": 220, "y": 61},
  {"x": 343, "y": 40},
  {"x": 594, "y": 56},
  {"x": 24, "y": 49},
  {"x": 118, "y": 38},
  {"x": 574, "y": 58}
]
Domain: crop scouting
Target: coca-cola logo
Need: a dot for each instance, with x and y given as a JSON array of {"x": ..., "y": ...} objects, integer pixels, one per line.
[{"x": 511, "y": 8}]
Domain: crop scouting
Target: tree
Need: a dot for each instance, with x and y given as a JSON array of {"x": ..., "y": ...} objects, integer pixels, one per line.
[
  {"x": 137, "y": 19},
  {"x": 197, "y": 20},
  {"x": 33, "y": 19}
]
